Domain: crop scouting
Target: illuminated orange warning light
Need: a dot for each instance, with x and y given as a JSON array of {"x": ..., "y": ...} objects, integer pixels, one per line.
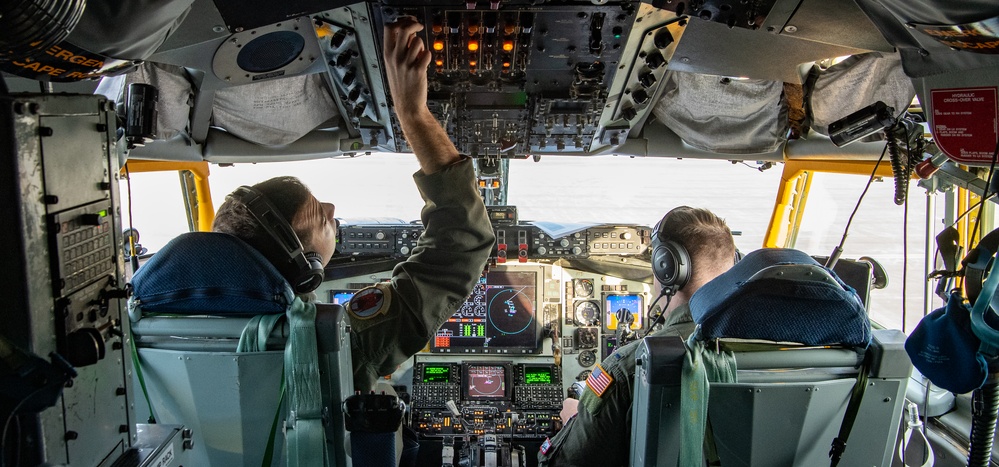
[
  {"x": 473, "y": 46},
  {"x": 472, "y": 63},
  {"x": 438, "y": 45},
  {"x": 439, "y": 62},
  {"x": 506, "y": 64},
  {"x": 508, "y": 46}
]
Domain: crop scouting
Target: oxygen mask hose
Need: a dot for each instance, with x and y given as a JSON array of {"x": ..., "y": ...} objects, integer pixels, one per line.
[{"x": 985, "y": 411}]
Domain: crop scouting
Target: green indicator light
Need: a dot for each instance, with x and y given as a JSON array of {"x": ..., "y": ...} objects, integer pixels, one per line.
[{"x": 102, "y": 213}]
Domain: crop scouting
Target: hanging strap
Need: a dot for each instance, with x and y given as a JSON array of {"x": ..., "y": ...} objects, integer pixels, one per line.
[
  {"x": 852, "y": 409},
  {"x": 269, "y": 451},
  {"x": 138, "y": 374},
  {"x": 254, "y": 339},
  {"x": 255, "y": 333},
  {"x": 700, "y": 367},
  {"x": 305, "y": 438}
]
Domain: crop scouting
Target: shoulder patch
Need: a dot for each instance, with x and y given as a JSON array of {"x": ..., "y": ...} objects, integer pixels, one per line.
[
  {"x": 599, "y": 380},
  {"x": 369, "y": 302}
]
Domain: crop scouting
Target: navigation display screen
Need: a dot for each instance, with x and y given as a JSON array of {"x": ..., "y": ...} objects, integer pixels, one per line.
[
  {"x": 436, "y": 374},
  {"x": 340, "y": 297},
  {"x": 537, "y": 375},
  {"x": 621, "y": 305},
  {"x": 486, "y": 382},
  {"x": 498, "y": 317}
]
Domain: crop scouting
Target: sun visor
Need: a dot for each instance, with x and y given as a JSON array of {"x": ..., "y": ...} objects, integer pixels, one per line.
[
  {"x": 175, "y": 95},
  {"x": 724, "y": 115},
  {"x": 858, "y": 81},
  {"x": 274, "y": 112}
]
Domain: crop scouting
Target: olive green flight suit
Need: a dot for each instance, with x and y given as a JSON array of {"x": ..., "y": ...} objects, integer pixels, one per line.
[
  {"x": 600, "y": 433},
  {"x": 392, "y": 321}
]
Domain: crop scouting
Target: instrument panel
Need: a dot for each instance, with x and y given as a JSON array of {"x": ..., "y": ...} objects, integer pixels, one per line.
[
  {"x": 494, "y": 377},
  {"x": 523, "y": 80},
  {"x": 520, "y": 242}
]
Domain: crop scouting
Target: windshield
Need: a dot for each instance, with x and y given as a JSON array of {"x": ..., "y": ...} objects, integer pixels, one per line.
[{"x": 601, "y": 189}]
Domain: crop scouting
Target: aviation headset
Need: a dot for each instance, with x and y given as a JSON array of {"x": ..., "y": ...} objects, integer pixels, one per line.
[
  {"x": 670, "y": 260},
  {"x": 304, "y": 271}
]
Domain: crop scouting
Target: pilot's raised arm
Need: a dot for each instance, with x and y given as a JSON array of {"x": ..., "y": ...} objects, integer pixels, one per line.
[{"x": 392, "y": 321}]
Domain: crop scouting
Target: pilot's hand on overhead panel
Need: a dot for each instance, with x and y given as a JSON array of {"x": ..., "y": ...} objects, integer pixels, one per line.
[
  {"x": 406, "y": 59},
  {"x": 569, "y": 409}
]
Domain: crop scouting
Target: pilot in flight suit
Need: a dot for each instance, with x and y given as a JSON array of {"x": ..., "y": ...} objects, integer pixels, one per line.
[
  {"x": 600, "y": 432},
  {"x": 392, "y": 321}
]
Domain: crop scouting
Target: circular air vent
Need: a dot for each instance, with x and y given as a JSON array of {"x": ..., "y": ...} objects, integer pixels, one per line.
[
  {"x": 275, "y": 51},
  {"x": 270, "y": 51}
]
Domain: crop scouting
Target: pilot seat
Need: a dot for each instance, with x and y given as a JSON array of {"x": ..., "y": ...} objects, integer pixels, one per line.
[
  {"x": 782, "y": 367},
  {"x": 224, "y": 348}
]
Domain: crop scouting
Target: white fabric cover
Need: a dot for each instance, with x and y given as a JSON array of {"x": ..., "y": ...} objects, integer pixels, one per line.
[
  {"x": 855, "y": 83},
  {"x": 274, "y": 112},
  {"x": 175, "y": 95},
  {"x": 724, "y": 115}
]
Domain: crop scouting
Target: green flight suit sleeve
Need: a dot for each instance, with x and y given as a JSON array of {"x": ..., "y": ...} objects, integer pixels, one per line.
[{"x": 391, "y": 322}]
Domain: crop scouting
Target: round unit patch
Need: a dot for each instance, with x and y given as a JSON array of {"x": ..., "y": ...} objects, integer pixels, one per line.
[{"x": 368, "y": 302}]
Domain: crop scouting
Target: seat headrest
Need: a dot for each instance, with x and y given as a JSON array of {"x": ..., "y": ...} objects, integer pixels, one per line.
[
  {"x": 210, "y": 273},
  {"x": 781, "y": 294}
]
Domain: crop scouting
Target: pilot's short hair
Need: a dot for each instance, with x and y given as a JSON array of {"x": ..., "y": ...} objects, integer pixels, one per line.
[
  {"x": 705, "y": 236},
  {"x": 288, "y": 195}
]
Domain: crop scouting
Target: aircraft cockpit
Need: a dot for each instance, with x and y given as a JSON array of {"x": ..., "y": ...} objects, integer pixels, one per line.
[
  {"x": 507, "y": 359},
  {"x": 780, "y": 115}
]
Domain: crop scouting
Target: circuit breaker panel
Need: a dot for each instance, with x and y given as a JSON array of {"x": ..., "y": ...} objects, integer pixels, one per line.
[{"x": 64, "y": 324}]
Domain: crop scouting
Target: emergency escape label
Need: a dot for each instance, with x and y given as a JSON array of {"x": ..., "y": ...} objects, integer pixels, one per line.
[
  {"x": 965, "y": 123},
  {"x": 62, "y": 62},
  {"x": 980, "y": 37}
]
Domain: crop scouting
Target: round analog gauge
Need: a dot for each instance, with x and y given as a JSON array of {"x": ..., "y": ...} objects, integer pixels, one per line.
[
  {"x": 587, "y": 313},
  {"x": 583, "y": 375},
  {"x": 583, "y": 287},
  {"x": 587, "y": 358}
]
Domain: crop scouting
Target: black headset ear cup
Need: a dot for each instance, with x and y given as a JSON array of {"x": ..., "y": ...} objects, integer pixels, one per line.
[
  {"x": 284, "y": 250},
  {"x": 670, "y": 264},
  {"x": 313, "y": 276}
]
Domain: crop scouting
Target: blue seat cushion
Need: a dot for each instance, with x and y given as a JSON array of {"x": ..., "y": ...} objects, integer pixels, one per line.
[
  {"x": 210, "y": 273},
  {"x": 781, "y": 294}
]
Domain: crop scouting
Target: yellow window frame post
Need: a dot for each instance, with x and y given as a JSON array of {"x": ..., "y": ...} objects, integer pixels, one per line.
[
  {"x": 206, "y": 210},
  {"x": 792, "y": 194}
]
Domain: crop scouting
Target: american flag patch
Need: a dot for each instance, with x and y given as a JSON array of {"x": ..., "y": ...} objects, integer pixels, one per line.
[
  {"x": 545, "y": 446},
  {"x": 599, "y": 380}
]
